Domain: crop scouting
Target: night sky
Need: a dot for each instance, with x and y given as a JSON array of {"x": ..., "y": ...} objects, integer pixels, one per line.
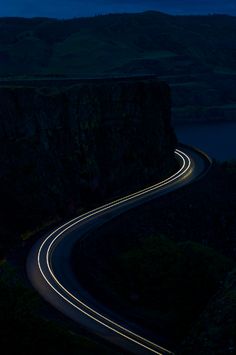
[{"x": 76, "y": 8}]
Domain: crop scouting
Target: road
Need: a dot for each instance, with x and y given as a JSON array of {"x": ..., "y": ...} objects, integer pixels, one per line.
[{"x": 50, "y": 271}]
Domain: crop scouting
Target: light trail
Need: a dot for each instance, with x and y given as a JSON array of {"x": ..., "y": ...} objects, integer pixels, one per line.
[{"x": 183, "y": 172}]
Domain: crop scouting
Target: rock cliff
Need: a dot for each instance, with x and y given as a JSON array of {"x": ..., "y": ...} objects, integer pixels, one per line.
[{"x": 65, "y": 148}]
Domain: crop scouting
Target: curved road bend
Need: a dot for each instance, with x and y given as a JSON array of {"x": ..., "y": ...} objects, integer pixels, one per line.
[{"x": 50, "y": 271}]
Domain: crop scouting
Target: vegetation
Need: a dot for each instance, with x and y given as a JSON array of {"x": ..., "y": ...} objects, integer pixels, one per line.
[
  {"x": 164, "y": 264},
  {"x": 23, "y": 331},
  {"x": 106, "y": 43},
  {"x": 215, "y": 330},
  {"x": 168, "y": 282},
  {"x": 167, "y": 264},
  {"x": 69, "y": 149},
  {"x": 180, "y": 49}
]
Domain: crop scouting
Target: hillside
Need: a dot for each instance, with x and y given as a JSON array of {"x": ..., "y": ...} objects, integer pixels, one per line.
[
  {"x": 165, "y": 265},
  {"x": 196, "y": 55},
  {"x": 66, "y": 149}
]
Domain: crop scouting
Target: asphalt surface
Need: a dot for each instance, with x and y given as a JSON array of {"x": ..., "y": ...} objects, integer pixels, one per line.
[{"x": 50, "y": 272}]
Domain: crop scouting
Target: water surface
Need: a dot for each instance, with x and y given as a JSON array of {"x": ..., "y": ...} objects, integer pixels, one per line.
[{"x": 218, "y": 139}]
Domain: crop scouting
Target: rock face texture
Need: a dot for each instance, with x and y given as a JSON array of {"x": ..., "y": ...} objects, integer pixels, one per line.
[
  {"x": 214, "y": 333},
  {"x": 63, "y": 148}
]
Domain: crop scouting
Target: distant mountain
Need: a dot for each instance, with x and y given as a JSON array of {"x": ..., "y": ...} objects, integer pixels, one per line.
[{"x": 195, "y": 54}]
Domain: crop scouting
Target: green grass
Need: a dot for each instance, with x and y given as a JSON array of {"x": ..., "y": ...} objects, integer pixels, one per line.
[
  {"x": 106, "y": 42},
  {"x": 225, "y": 71},
  {"x": 214, "y": 333},
  {"x": 23, "y": 330},
  {"x": 167, "y": 282},
  {"x": 161, "y": 54},
  {"x": 179, "y": 49}
]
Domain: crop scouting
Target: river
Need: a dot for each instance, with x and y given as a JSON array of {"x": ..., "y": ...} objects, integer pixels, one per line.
[{"x": 218, "y": 139}]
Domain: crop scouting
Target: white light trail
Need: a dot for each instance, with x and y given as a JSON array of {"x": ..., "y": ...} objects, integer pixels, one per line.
[{"x": 184, "y": 171}]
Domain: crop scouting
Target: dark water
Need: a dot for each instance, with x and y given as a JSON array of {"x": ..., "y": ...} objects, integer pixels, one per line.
[{"x": 218, "y": 139}]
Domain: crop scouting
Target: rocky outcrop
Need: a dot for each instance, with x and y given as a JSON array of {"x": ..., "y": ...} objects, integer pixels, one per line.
[
  {"x": 214, "y": 333},
  {"x": 61, "y": 149}
]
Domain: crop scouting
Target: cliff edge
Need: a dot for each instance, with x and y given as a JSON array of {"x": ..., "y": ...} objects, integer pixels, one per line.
[{"x": 65, "y": 148}]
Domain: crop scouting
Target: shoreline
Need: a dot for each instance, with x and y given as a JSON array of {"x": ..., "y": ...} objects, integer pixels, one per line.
[{"x": 205, "y": 121}]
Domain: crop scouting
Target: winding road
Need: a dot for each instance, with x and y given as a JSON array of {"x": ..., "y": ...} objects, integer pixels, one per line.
[{"x": 50, "y": 271}]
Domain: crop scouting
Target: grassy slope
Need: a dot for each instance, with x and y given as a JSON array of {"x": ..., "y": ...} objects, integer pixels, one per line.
[
  {"x": 22, "y": 329},
  {"x": 167, "y": 282},
  {"x": 105, "y": 43},
  {"x": 214, "y": 333},
  {"x": 180, "y": 49}
]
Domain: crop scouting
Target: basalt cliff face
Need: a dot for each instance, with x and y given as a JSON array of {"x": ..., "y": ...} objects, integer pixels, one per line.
[{"x": 62, "y": 149}]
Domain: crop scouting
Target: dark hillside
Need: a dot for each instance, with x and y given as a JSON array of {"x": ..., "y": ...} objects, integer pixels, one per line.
[
  {"x": 165, "y": 265},
  {"x": 196, "y": 55},
  {"x": 63, "y": 149}
]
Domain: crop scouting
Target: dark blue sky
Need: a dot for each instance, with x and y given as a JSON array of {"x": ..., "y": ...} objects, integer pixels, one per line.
[{"x": 76, "y": 8}]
